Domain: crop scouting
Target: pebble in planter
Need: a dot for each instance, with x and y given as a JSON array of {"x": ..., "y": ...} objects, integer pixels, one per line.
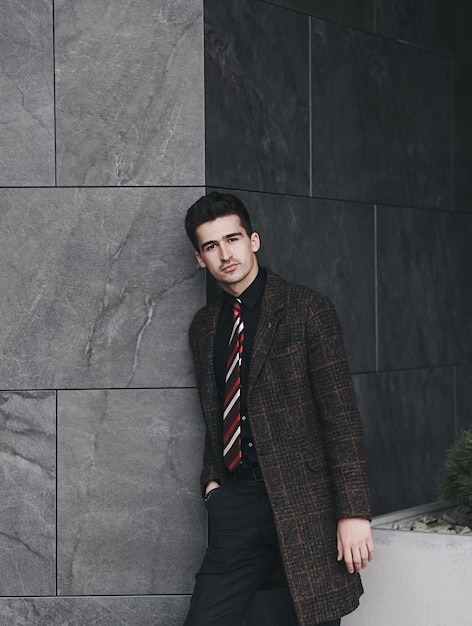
[{"x": 445, "y": 523}]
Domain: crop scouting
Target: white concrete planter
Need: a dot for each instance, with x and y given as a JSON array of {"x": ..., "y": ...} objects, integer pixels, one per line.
[{"x": 417, "y": 578}]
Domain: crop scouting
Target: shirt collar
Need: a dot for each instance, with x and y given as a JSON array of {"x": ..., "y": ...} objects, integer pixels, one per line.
[{"x": 251, "y": 295}]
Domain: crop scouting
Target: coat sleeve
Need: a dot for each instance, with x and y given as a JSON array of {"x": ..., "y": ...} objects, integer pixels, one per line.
[
  {"x": 209, "y": 471},
  {"x": 340, "y": 420},
  {"x": 209, "y": 468}
]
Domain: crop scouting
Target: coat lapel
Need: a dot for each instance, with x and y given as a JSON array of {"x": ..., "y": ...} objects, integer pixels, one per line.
[{"x": 271, "y": 312}]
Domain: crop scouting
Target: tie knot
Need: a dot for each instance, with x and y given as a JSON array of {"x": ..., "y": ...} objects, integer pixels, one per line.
[{"x": 237, "y": 307}]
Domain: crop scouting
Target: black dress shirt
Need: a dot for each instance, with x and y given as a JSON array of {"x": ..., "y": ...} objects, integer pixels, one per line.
[{"x": 251, "y": 300}]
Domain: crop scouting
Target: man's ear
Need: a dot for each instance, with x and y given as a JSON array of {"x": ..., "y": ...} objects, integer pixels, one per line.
[
  {"x": 200, "y": 261},
  {"x": 255, "y": 242}
]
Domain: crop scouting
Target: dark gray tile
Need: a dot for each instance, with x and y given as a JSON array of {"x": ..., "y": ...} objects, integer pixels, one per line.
[
  {"x": 28, "y": 485},
  {"x": 256, "y": 97},
  {"x": 408, "y": 425},
  {"x": 130, "y": 516},
  {"x": 424, "y": 296},
  {"x": 376, "y": 135},
  {"x": 26, "y": 94},
  {"x": 106, "y": 611},
  {"x": 442, "y": 25},
  {"x": 98, "y": 288},
  {"x": 463, "y": 381},
  {"x": 327, "y": 246},
  {"x": 129, "y": 85},
  {"x": 462, "y": 136},
  {"x": 355, "y": 13}
]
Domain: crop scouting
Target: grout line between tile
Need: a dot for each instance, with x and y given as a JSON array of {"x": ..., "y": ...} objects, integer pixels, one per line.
[
  {"x": 310, "y": 106},
  {"x": 454, "y": 402},
  {"x": 376, "y": 292},
  {"x": 54, "y": 89},
  {"x": 57, "y": 490}
]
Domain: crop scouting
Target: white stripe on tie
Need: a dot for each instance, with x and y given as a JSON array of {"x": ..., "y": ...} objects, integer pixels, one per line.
[{"x": 236, "y": 434}]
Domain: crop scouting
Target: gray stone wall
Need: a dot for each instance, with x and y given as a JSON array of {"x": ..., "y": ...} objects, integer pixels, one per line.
[
  {"x": 347, "y": 132},
  {"x": 346, "y": 126},
  {"x": 101, "y": 151}
]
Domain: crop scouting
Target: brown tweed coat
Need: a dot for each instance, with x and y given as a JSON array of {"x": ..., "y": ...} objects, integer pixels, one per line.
[{"x": 307, "y": 433}]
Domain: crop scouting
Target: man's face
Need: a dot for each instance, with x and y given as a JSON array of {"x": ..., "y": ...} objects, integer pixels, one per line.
[{"x": 228, "y": 252}]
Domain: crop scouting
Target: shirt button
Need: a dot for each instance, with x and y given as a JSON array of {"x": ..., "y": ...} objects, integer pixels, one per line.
[
  {"x": 250, "y": 444},
  {"x": 243, "y": 418}
]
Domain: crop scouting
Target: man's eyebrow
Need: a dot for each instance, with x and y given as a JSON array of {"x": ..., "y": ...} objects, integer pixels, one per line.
[
  {"x": 212, "y": 241},
  {"x": 232, "y": 235}
]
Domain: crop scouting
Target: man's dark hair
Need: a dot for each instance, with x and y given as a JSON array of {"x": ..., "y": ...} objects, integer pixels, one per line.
[{"x": 212, "y": 206}]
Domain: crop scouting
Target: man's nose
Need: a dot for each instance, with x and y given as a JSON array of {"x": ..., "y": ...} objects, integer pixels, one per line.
[{"x": 224, "y": 251}]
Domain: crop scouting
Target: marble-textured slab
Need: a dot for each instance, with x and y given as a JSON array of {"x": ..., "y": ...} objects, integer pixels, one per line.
[
  {"x": 462, "y": 135},
  {"x": 104, "y": 611},
  {"x": 463, "y": 380},
  {"x": 376, "y": 137},
  {"x": 424, "y": 295},
  {"x": 26, "y": 94},
  {"x": 28, "y": 488},
  {"x": 434, "y": 24},
  {"x": 98, "y": 288},
  {"x": 408, "y": 419},
  {"x": 256, "y": 97},
  {"x": 130, "y": 515},
  {"x": 327, "y": 246},
  {"x": 355, "y": 13},
  {"x": 129, "y": 87}
]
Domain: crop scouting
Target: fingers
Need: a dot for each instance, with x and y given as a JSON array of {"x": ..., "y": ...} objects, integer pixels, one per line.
[
  {"x": 354, "y": 544},
  {"x": 340, "y": 548},
  {"x": 357, "y": 558}
]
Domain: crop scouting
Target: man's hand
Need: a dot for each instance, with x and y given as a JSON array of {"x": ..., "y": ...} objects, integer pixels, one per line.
[
  {"x": 210, "y": 486},
  {"x": 355, "y": 543}
]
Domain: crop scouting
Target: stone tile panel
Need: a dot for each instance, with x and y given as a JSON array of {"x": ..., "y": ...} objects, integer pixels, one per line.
[
  {"x": 463, "y": 378},
  {"x": 355, "y": 13},
  {"x": 376, "y": 137},
  {"x": 424, "y": 297},
  {"x": 106, "y": 611},
  {"x": 26, "y": 94},
  {"x": 462, "y": 135},
  {"x": 28, "y": 487},
  {"x": 98, "y": 288},
  {"x": 129, "y": 86},
  {"x": 442, "y": 25},
  {"x": 130, "y": 516},
  {"x": 256, "y": 97},
  {"x": 408, "y": 420}
]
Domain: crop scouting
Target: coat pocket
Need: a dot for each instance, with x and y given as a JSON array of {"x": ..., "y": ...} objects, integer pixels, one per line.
[{"x": 315, "y": 460}]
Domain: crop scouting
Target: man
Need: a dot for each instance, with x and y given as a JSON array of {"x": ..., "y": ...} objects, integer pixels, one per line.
[{"x": 283, "y": 469}]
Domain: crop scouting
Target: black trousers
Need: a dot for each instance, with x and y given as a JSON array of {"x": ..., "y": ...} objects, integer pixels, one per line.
[{"x": 242, "y": 550}]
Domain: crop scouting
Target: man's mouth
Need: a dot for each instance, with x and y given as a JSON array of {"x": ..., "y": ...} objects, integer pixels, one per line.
[{"x": 230, "y": 267}]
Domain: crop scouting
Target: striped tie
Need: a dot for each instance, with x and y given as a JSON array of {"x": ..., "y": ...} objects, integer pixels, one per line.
[{"x": 232, "y": 452}]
